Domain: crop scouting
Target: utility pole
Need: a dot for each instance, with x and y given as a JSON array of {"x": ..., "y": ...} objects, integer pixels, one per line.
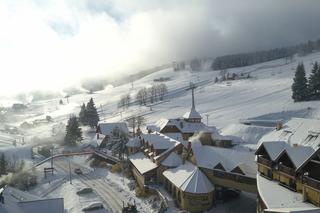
[
  {"x": 70, "y": 172},
  {"x": 101, "y": 109},
  {"x": 207, "y": 115},
  {"x": 52, "y": 156}
]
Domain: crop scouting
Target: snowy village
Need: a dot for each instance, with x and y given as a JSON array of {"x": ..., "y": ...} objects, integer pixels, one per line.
[{"x": 105, "y": 108}]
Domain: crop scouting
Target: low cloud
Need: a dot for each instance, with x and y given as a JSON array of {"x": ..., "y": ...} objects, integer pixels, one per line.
[{"x": 56, "y": 44}]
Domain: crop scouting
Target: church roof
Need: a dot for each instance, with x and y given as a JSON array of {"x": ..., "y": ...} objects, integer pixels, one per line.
[{"x": 192, "y": 114}]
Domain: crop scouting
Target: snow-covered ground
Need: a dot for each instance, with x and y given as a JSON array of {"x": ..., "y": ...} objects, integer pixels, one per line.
[
  {"x": 265, "y": 96},
  {"x": 106, "y": 185}
]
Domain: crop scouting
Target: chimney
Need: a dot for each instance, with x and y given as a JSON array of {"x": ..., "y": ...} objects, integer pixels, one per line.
[{"x": 279, "y": 125}]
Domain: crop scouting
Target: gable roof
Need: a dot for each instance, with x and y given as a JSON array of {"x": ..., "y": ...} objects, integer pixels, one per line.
[
  {"x": 189, "y": 178},
  {"x": 142, "y": 163},
  {"x": 173, "y": 160},
  {"x": 159, "y": 141},
  {"x": 297, "y": 154},
  {"x": 273, "y": 148},
  {"x": 210, "y": 156},
  {"x": 107, "y": 128},
  {"x": 182, "y": 125}
]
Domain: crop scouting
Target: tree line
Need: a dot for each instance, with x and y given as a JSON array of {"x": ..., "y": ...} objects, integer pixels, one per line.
[
  {"x": 246, "y": 59},
  {"x": 303, "y": 88},
  {"x": 145, "y": 95},
  {"x": 152, "y": 94}
]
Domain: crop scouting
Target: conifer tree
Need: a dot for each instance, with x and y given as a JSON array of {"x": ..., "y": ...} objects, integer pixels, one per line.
[
  {"x": 83, "y": 114},
  {"x": 73, "y": 132},
  {"x": 314, "y": 82},
  {"x": 92, "y": 114},
  {"x": 300, "y": 86},
  {"x": 3, "y": 165}
]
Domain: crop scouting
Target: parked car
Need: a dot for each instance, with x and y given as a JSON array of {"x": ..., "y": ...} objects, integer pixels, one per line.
[
  {"x": 93, "y": 206},
  {"x": 84, "y": 191},
  {"x": 78, "y": 171}
]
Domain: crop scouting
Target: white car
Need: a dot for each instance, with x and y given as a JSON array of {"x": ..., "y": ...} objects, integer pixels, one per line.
[{"x": 93, "y": 206}]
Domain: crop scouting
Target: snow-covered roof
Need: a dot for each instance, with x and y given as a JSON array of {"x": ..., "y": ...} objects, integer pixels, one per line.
[
  {"x": 173, "y": 160},
  {"x": 234, "y": 139},
  {"x": 300, "y": 154},
  {"x": 300, "y": 131},
  {"x": 107, "y": 128},
  {"x": 20, "y": 202},
  {"x": 273, "y": 148},
  {"x": 134, "y": 142},
  {"x": 299, "y": 139},
  {"x": 277, "y": 197},
  {"x": 188, "y": 127},
  {"x": 142, "y": 163},
  {"x": 159, "y": 141},
  {"x": 189, "y": 178},
  {"x": 210, "y": 156},
  {"x": 192, "y": 114},
  {"x": 297, "y": 154},
  {"x": 292, "y": 210}
]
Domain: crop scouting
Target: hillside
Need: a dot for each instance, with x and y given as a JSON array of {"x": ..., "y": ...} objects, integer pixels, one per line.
[{"x": 265, "y": 96}]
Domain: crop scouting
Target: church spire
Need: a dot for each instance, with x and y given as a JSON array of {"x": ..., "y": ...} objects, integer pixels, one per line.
[
  {"x": 192, "y": 115},
  {"x": 192, "y": 87}
]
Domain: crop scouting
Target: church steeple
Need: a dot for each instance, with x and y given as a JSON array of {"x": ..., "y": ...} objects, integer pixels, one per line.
[
  {"x": 193, "y": 115},
  {"x": 192, "y": 89}
]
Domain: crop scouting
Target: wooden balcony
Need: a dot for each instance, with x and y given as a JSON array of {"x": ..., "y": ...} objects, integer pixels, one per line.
[
  {"x": 264, "y": 162},
  {"x": 311, "y": 182},
  {"x": 287, "y": 170}
]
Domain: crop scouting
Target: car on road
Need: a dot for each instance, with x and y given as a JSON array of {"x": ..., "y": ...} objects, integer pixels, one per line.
[
  {"x": 78, "y": 171},
  {"x": 93, "y": 206}
]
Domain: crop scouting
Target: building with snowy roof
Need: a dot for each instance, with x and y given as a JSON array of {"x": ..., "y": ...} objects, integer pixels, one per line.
[
  {"x": 110, "y": 132},
  {"x": 16, "y": 201},
  {"x": 109, "y": 129},
  {"x": 288, "y": 160},
  {"x": 183, "y": 128},
  {"x": 133, "y": 145},
  {"x": 190, "y": 186},
  {"x": 143, "y": 169}
]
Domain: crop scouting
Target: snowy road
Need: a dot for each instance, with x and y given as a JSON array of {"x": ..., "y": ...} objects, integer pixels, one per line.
[{"x": 108, "y": 196}]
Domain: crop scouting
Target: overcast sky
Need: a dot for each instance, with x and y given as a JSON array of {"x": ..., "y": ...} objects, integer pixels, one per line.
[{"x": 52, "y": 44}]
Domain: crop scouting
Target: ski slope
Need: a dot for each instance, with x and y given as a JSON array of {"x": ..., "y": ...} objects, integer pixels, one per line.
[{"x": 267, "y": 96}]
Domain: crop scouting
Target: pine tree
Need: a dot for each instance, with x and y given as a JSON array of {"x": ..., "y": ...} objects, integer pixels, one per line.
[
  {"x": 73, "y": 132},
  {"x": 314, "y": 82},
  {"x": 300, "y": 86},
  {"x": 3, "y": 165},
  {"x": 92, "y": 114},
  {"x": 83, "y": 115}
]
